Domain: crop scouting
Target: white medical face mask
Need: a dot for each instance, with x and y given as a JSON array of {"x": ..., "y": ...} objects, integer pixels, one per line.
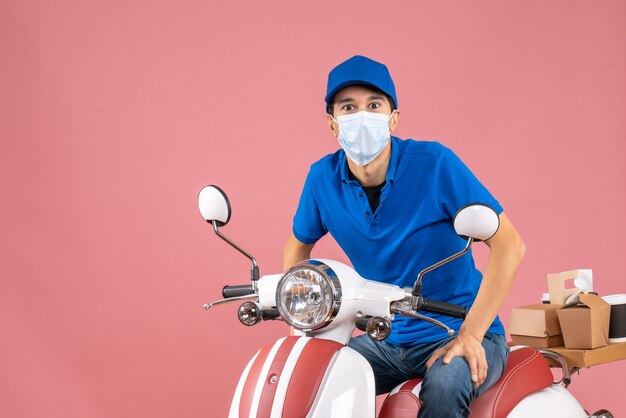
[{"x": 363, "y": 135}]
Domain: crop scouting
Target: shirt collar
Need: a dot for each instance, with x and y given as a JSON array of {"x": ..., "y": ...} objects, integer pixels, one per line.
[{"x": 391, "y": 168}]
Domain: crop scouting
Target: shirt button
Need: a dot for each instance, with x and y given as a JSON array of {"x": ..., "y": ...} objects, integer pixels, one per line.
[
  {"x": 360, "y": 194},
  {"x": 367, "y": 213}
]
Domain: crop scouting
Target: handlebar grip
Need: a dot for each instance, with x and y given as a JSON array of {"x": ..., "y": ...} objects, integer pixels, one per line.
[
  {"x": 443, "y": 308},
  {"x": 361, "y": 323},
  {"x": 237, "y": 290},
  {"x": 269, "y": 314}
]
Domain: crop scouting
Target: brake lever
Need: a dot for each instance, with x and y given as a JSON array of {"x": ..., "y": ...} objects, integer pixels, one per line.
[
  {"x": 208, "y": 306},
  {"x": 395, "y": 309}
]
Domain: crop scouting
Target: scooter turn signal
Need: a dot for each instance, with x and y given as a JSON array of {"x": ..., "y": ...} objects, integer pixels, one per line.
[
  {"x": 378, "y": 328},
  {"x": 249, "y": 313}
]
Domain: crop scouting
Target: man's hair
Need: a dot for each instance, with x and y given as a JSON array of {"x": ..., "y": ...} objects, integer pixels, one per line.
[{"x": 331, "y": 105}]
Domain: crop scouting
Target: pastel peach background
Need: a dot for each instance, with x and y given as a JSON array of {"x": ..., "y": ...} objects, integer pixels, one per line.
[{"x": 113, "y": 114}]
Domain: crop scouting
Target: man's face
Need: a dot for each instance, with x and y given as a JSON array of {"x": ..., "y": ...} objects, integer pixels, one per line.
[{"x": 358, "y": 98}]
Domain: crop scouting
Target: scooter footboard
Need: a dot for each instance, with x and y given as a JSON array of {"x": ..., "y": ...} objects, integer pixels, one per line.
[{"x": 299, "y": 377}]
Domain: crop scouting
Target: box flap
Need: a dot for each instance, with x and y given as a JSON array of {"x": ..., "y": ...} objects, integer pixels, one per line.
[
  {"x": 593, "y": 301},
  {"x": 553, "y": 327},
  {"x": 588, "y": 300}
]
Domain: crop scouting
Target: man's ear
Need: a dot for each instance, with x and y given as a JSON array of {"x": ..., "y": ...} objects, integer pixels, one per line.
[
  {"x": 332, "y": 125},
  {"x": 393, "y": 122}
]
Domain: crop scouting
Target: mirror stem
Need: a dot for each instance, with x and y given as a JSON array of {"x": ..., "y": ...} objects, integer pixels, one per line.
[
  {"x": 254, "y": 273},
  {"x": 417, "y": 289}
]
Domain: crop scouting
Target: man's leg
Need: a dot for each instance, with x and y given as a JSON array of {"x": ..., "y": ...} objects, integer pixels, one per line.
[
  {"x": 386, "y": 362},
  {"x": 447, "y": 389}
]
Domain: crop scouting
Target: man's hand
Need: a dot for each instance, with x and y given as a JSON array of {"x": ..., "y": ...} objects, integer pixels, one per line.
[{"x": 469, "y": 347}]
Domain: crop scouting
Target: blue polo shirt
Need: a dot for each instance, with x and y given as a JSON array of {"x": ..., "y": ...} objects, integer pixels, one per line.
[{"x": 411, "y": 229}]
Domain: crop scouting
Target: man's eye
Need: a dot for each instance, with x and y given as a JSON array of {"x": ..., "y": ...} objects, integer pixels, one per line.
[
  {"x": 348, "y": 107},
  {"x": 375, "y": 105}
]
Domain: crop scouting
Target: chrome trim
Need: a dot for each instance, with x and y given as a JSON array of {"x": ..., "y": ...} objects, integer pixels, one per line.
[
  {"x": 257, "y": 313},
  {"x": 372, "y": 328},
  {"x": 566, "y": 378},
  {"x": 327, "y": 274}
]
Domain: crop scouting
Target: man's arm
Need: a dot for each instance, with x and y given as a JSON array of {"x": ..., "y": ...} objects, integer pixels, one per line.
[
  {"x": 507, "y": 251},
  {"x": 295, "y": 251}
]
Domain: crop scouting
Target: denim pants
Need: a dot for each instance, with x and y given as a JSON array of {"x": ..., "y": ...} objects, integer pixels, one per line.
[{"x": 447, "y": 389}]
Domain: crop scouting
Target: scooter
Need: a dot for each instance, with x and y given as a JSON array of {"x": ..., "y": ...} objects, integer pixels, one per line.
[{"x": 315, "y": 374}]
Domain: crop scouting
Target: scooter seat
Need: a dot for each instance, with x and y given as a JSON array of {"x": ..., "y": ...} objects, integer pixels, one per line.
[{"x": 526, "y": 372}]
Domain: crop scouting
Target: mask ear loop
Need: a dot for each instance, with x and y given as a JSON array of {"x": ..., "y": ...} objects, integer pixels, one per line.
[{"x": 337, "y": 122}]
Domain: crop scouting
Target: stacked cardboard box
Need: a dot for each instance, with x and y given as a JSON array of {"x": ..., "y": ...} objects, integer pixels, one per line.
[
  {"x": 536, "y": 326},
  {"x": 583, "y": 323}
]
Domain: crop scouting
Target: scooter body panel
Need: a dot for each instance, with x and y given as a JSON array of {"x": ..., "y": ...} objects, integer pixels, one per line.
[
  {"x": 280, "y": 381},
  {"x": 234, "y": 404},
  {"x": 348, "y": 388},
  {"x": 554, "y": 401}
]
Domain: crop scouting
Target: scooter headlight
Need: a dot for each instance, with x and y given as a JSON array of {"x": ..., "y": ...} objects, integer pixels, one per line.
[{"x": 308, "y": 296}]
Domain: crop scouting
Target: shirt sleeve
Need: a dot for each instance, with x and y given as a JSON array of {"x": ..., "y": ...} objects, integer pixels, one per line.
[
  {"x": 459, "y": 187},
  {"x": 307, "y": 223}
]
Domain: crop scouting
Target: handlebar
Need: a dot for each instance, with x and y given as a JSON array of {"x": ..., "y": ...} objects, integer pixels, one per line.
[
  {"x": 443, "y": 308},
  {"x": 236, "y": 291},
  {"x": 361, "y": 323},
  {"x": 270, "y": 314}
]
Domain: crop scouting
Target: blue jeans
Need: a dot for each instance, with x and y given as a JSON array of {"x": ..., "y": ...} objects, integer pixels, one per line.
[{"x": 447, "y": 389}]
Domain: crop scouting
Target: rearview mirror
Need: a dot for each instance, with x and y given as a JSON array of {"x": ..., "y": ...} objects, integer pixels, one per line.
[
  {"x": 214, "y": 205},
  {"x": 477, "y": 221},
  {"x": 215, "y": 209}
]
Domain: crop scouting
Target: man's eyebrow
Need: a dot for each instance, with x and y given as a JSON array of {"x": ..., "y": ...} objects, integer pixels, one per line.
[
  {"x": 347, "y": 99},
  {"x": 350, "y": 99}
]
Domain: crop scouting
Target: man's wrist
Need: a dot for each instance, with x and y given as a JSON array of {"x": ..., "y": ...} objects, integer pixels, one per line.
[{"x": 472, "y": 333}]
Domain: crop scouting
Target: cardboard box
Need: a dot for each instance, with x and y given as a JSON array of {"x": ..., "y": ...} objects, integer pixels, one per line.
[
  {"x": 587, "y": 358},
  {"x": 536, "y": 326},
  {"x": 585, "y": 322},
  {"x": 582, "y": 281}
]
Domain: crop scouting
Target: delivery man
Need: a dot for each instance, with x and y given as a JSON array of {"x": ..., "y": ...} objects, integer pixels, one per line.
[{"x": 389, "y": 203}]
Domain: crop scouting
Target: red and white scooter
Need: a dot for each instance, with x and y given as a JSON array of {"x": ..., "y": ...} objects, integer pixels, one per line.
[{"x": 314, "y": 373}]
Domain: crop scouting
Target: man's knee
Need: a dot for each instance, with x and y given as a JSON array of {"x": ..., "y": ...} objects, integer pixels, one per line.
[{"x": 448, "y": 383}]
